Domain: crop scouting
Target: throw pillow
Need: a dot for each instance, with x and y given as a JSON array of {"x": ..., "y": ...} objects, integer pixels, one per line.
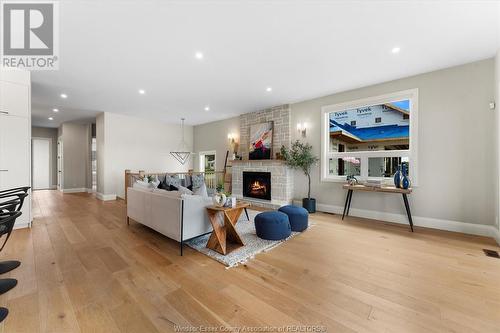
[
  {"x": 184, "y": 190},
  {"x": 155, "y": 183},
  {"x": 163, "y": 186},
  {"x": 197, "y": 181},
  {"x": 188, "y": 181},
  {"x": 169, "y": 180},
  {"x": 172, "y": 188},
  {"x": 202, "y": 190}
]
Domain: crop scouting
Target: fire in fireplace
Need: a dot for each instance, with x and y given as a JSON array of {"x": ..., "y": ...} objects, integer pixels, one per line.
[{"x": 257, "y": 185}]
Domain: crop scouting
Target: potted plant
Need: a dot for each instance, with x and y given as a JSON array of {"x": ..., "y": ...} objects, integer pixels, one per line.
[{"x": 300, "y": 157}]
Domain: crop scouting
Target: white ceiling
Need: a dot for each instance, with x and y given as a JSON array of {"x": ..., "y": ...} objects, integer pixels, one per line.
[{"x": 110, "y": 49}]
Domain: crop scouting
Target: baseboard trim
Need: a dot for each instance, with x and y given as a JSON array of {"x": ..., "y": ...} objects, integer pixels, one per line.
[
  {"x": 105, "y": 197},
  {"x": 419, "y": 221},
  {"x": 74, "y": 190},
  {"x": 89, "y": 190},
  {"x": 21, "y": 226},
  {"x": 53, "y": 187},
  {"x": 496, "y": 234}
]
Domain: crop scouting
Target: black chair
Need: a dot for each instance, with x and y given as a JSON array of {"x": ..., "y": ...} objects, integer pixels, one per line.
[
  {"x": 14, "y": 199},
  {"x": 7, "y": 221}
]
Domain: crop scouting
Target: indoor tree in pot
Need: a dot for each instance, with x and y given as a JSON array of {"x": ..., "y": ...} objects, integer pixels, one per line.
[{"x": 300, "y": 157}]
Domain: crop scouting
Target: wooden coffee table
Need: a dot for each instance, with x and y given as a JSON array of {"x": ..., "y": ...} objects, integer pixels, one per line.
[{"x": 224, "y": 237}]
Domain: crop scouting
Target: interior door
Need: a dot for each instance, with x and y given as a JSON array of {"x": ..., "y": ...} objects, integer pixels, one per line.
[{"x": 41, "y": 164}]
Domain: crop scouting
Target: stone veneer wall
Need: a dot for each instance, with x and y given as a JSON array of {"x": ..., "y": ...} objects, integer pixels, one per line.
[
  {"x": 279, "y": 115},
  {"x": 281, "y": 181}
]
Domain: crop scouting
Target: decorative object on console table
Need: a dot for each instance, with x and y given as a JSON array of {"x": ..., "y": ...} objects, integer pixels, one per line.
[
  {"x": 405, "y": 181},
  {"x": 351, "y": 179},
  {"x": 300, "y": 157},
  {"x": 397, "y": 177},
  {"x": 261, "y": 141}
]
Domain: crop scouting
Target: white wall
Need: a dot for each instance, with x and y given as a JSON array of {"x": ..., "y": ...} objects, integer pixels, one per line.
[
  {"x": 213, "y": 136},
  {"x": 49, "y": 133},
  {"x": 496, "y": 145},
  {"x": 125, "y": 142},
  {"x": 76, "y": 155},
  {"x": 456, "y": 162},
  {"x": 456, "y": 131},
  {"x": 101, "y": 153}
]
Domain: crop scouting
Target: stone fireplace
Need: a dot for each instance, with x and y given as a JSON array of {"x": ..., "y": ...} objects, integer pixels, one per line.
[
  {"x": 257, "y": 185},
  {"x": 277, "y": 174},
  {"x": 281, "y": 179}
]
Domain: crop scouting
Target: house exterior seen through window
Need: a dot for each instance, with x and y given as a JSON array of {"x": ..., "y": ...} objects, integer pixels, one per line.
[{"x": 367, "y": 139}]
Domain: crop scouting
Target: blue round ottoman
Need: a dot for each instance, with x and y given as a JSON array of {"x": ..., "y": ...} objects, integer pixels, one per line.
[
  {"x": 272, "y": 225},
  {"x": 298, "y": 217}
]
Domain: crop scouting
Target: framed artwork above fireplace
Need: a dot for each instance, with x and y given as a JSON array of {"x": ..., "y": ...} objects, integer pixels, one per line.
[{"x": 261, "y": 141}]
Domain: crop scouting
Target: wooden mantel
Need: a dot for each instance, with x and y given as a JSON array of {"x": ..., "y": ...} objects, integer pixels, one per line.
[{"x": 258, "y": 161}]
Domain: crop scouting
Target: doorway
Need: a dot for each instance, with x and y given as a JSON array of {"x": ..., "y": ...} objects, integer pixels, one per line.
[
  {"x": 41, "y": 163},
  {"x": 207, "y": 161}
]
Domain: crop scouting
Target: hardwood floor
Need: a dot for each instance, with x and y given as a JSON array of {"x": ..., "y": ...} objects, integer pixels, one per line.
[{"x": 84, "y": 270}]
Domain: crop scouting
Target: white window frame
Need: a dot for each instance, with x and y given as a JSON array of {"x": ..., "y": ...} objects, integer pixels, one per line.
[{"x": 411, "y": 153}]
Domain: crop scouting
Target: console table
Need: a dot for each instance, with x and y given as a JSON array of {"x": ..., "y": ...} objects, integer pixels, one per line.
[
  {"x": 225, "y": 233},
  {"x": 351, "y": 188}
]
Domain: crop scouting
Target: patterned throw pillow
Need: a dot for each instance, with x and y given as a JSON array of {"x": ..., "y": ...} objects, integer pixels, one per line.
[
  {"x": 197, "y": 181},
  {"x": 169, "y": 180}
]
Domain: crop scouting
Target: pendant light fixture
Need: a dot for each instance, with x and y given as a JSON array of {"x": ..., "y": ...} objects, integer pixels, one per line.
[{"x": 182, "y": 153}]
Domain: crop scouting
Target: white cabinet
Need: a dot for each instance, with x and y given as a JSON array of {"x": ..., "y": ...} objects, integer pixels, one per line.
[
  {"x": 15, "y": 138},
  {"x": 13, "y": 99}
]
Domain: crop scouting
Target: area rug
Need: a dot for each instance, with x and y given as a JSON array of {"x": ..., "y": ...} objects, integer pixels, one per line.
[{"x": 253, "y": 244}]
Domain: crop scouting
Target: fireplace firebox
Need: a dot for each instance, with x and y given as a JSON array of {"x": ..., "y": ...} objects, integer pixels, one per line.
[{"x": 257, "y": 185}]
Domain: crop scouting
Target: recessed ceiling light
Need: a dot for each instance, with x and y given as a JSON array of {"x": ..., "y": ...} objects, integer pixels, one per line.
[
  {"x": 269, "y": 89},
  {"x": 199, "y": 55},
  {"x": 55, "y": 110},
  {"x": 142, "y": 91},
  {"x": 64, "y": 96},
  {"x": 395, "y": 50},
  {"x": 207, "y": 108},
  {"x": 51, "y": 118}
]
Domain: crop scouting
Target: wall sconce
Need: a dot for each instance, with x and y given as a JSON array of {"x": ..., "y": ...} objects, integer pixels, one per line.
[
  {"x": 233, "y": 142},
  {"x": 232, "y": 138},
  {"x": 301, "y": 128}
]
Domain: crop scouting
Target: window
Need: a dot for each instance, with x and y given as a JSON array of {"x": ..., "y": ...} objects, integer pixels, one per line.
[{"x": 356, "y": 142}]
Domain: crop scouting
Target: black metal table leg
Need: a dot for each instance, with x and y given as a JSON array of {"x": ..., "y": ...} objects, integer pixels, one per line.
[
  {"x": 346, "y": 201},
  {"x": 246, "y": 213},
  {"x": 408, "y": 212},
  {"x": 349, "y": 203}
]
